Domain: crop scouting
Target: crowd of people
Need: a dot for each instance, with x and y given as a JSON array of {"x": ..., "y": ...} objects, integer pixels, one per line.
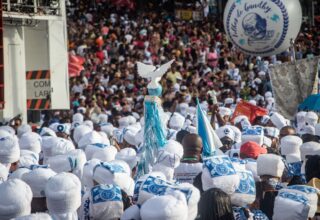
[{"x": 85, "y": 163}]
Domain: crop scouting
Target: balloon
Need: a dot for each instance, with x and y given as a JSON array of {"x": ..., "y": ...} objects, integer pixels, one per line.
[{"x": 262, "y": 27}]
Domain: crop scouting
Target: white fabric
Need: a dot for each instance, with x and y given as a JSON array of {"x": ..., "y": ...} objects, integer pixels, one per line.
[
  {"x": 53, "y": 146},
  {"x": 176, "y": 121},
  {"x": 23, "y": 129},
  {"x": 223, "y": 111},
  {"x": 106, "y": 154},
  {"x": 278, "y": 120},
  {"x": 311, "y": 118},
  {"x": 290, "y": 145},
  {"x": 18, "y": 173},
  {"x": 226, "y": 131},
  {"x": 28, "y": 158},
  {"x": 131, "y": 213},
  {"x": 63, "y": 192},
  {"x": 80, "y": 131},
  {"x": 30, "y": 141},
  {"x": 36, "y": 216},
  {"x": 227, "y": 183},
  {"x": 168, "y": 207},
  {"x": 171, "y": 154},
  {"x": 270, "y": 164},
  {"x": 87, "y": 180},
  {"x": 186, "y": 172},
  {"x": 309, "y": 148},
  {"x": 118, "y": 174},
  {"x": 3, "y": 173},
  {"x": 128, "y": 155},
  {"x": 37, "y": 180},
  {"x": 287, "y": 208},
  {"x": 9, "y": 150},
  {"x": 15, "y": 200},
  {"x": 92, "y": 137}
]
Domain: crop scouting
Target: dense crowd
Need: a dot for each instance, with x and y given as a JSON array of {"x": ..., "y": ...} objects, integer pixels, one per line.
[{"x": 86, "y": 163}]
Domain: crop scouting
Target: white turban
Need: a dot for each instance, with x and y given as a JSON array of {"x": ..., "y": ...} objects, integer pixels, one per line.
[
  {"x": 30, "y": 141},
  {"x": 63, "y": 192},
  {"x": 37, "y": 180},
  {"x": 9, "y": 150},
  {"x": 16, "y": 197}
]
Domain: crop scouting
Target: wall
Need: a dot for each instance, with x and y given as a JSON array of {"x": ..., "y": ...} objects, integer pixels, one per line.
[{"x": 14, "y": 72}]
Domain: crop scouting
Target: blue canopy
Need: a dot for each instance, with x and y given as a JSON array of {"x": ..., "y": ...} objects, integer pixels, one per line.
[{"x": 311, "y": 103}]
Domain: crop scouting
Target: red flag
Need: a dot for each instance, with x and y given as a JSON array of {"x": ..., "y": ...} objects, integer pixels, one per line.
[{"x": 249, "y": 110}]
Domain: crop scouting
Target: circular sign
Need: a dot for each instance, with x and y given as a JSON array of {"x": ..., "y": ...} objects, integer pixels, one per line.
[{"x": 264, "y": 27}]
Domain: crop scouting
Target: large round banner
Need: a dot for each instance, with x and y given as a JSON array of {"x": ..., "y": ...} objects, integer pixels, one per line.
[{"x": 262, "y": 27}]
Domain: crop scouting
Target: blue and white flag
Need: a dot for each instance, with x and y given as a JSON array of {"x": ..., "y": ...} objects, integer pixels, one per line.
[{"x": 210, "y": 140}]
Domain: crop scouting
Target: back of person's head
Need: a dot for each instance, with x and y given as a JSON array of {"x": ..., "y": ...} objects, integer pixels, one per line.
[
  {"x": 192, "y": 145},
  {"x": 312, "y": 167},
  {"x": 215, "y": 205}
]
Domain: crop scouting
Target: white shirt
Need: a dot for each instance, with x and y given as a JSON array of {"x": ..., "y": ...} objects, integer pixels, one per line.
[{"x": 186, "y": 172}]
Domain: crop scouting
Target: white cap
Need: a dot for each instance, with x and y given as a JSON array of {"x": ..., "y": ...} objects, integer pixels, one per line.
[
  {"x": 16, "y": 197},
  {"x": 128, "y": 155},
  {"x": 9, "y": 150},
  {"x": 270, "y": 164},
  {"x": 130, "y": 135},
  {"x": 219, "y": 172},
  {"x": 226, "y": 131},
  {"x": 88, "y": 123},
  {"x": 225, "y": 111},
  {"x": 73, "y": 162},
  {"x": 47, "y": 132},
  {"x": 23, "y": 129},
  {"x": 92, "y": 137},
  {"x": 114, "y": 173},
  {"x": 243, "y": 120},
  {"x": 62, "y": 128},
  {"x": 131, "y": 213},
  {"x": 167, "y": 171},
  {"x": 268, "y": 95},
  {"x": 290, "y": 205},
  {"x": 124, "y": 122},
  {"x": 63, "y": 192},
  {"x": 30, "y": 141},
  {"x": 53, "y": 146},
  {"x": 80, "y": 131},
  {"x": 8, "y": 129},
  {"x": 87, "y": 180},
  {"x": 290, "y": 145},
  {"x": 105, "y": 202},
  {"x": 77, "y": 117},
  {"x": 171, "y": 154},
  {"x": 108, "y": 129},
  {"x": 309, "y": 149},
  {"x": 245, "y": 194},
  {"x": 37, "y": 180},
  {"x": 254, "y": 133},
  {"x": 271, "y": 132},
  {"x": 106, "y": 154},
  {"x": 311, "y": 118},
  {"x": 176, "y": 121},
  {"x": 28, "y": 158},
  {"x": 92, "y": 148},
  {"x": 278, "y": 120},
  {"x": 18, "y": 173},
  {"x": 307, "y": 129},
  {"x": 167, "y": 207}
]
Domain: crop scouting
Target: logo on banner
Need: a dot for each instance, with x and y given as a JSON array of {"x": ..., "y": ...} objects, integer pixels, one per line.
[{"x": 257, "y": 27}]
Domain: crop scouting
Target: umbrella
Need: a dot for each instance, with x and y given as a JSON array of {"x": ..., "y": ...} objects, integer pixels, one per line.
[{"x": 311, "y": 103}]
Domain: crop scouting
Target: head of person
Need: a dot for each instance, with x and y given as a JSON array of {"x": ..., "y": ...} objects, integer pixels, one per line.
[
  {"x": 192, "y": 147},
  {"x": 287, "y": 130},
  {"x": 215, "y": 205}
]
